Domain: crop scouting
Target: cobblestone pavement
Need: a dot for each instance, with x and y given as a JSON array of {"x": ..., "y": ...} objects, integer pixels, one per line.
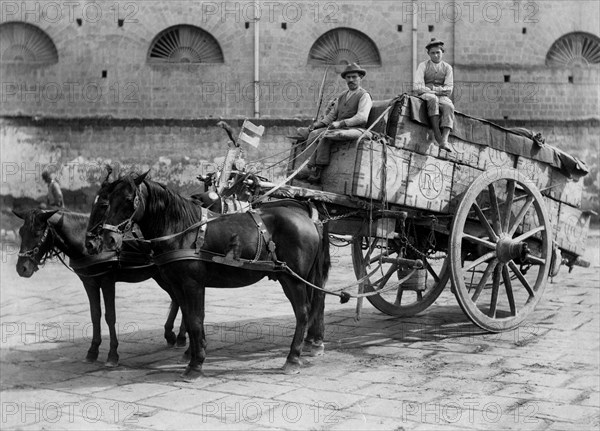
[{"x": 433, "y": 371}]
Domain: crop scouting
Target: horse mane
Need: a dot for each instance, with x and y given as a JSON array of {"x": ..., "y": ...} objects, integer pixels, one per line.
[
  {"x": 71, "y": 226},
  {"x": 170, "y": 210}
]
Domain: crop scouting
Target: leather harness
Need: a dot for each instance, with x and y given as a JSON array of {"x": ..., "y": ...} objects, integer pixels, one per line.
[{"x": 197, "y": 253}]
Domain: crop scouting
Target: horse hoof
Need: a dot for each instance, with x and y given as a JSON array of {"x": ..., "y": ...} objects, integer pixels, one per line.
[
  {"x": 91, "y": 358},
  {"x": 181, "y": 343},
  {"x": 111, "y": 364},
  {"x": 310, "y": 348},
  {"x": 291, "y": 368},
  {"x": 192, "y": 374},
  {"x": 171, "y": 339},
  {"x": 317, "y": 350}
]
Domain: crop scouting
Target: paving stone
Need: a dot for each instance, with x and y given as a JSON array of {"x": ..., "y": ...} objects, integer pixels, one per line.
[
  {"x": 267, "y": 390},
  {"x": 181, "y": 399},
  {"x": 134, "y": 392},
  {"x": 531, "y": 391}
]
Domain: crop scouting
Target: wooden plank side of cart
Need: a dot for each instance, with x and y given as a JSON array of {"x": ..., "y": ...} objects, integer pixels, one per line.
[{"x": 411, "y": 173}]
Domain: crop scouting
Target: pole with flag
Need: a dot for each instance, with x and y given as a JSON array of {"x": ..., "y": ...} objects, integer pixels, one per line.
[{"x": 249, "y": 134}]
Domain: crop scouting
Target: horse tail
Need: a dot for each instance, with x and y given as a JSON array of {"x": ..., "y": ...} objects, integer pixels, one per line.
[
  {"x": 320, "y": 269},
  {"x": 318, "y": 276}
]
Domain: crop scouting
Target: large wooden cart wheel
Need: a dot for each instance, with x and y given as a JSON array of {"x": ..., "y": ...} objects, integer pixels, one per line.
[
  {"x": 378, "y": 255},
  {"x": 500, "y": 249}
]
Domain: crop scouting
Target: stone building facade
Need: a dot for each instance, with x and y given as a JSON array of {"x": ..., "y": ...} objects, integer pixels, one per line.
[{"x": 86, "y": 82}]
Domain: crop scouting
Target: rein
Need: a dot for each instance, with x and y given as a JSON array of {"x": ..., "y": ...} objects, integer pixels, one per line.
[{"x": 274, "y": 265}]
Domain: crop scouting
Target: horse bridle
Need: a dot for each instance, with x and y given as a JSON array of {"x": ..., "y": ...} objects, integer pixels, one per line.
[
  {"x": 126, "y": 225},
  {"x": 32, "y": 253}
]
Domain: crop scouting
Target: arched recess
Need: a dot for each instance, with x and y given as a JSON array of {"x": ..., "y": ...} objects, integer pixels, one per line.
[
  {"x": 574, "y": 49},
  {"x": 21, "y": 42},
  {"x": 185, "y": 44},
  {"x": 344, "y": 46}
]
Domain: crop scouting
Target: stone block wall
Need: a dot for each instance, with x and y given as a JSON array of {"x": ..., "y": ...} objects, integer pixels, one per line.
[{"x": 103, "y": 70}]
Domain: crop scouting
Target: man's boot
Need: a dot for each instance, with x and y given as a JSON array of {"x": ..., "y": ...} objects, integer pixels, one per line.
[
  {"x": 435, "y": 126},
  {"x": 445, "y": 145},
  {"x": 315, "y": 178}
]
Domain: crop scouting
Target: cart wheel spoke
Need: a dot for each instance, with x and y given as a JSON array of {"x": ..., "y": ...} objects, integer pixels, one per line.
[
  {"x": 535, "y": 260},
  {"x": 520, "y": 216},
  {"x": 478, "y": 240},
  {"x": 431, "y": 271},
  {"x": 496, "y": 219},
  {"x": 529, "y": 234},
  {"x": 480, "y": 260},
  {"x": 495, "y": 289},
  {"x": 484, "y": 222},
  {"x": 367, "y": 257},
  {"x": 484, "y": 278},
  {"x": 383, "y": 280},
  {"x": 398, "y": 300},
  {"x": 508, "y": 205},
  {"x": 521, "y": 278},
  {"x": 509, "y": 290}
]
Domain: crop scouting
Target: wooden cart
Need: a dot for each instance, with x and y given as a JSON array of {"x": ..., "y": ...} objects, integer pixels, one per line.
[{"x": 497, "y": 217}]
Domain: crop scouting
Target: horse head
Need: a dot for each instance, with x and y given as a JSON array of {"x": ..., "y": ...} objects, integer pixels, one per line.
[
  {"x": 125, "y": 206},
  {"x": 36, "y": 240}
]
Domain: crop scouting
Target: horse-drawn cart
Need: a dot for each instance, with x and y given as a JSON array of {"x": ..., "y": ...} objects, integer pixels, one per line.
[{"x": 497, "y": 217}]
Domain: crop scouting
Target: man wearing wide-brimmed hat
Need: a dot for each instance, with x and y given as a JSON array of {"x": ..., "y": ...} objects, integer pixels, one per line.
[
  {"x": 434, "y": 82},
  {"x": 351, "y": 111}
]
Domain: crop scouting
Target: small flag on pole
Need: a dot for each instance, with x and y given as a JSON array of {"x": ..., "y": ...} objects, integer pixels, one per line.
[{"x": 251, "y": 133}]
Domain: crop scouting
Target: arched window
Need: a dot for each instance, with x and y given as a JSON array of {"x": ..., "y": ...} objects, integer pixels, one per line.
[
  {"x": 344, "y": 46},
  {"x": 185, "y": 44},
  {"x": 574, "y": 49},
  {"x": 21, "y": 42}
]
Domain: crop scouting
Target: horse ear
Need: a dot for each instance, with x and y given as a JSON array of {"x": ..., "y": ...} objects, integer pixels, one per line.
[
  {"x": 141, "y": 178},
  {"x": 20, "y": 213},
  {"x": 45, "y": 215}
]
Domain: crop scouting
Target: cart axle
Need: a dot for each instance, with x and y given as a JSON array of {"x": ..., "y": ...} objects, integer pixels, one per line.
[{"x": 507, "y": 250}]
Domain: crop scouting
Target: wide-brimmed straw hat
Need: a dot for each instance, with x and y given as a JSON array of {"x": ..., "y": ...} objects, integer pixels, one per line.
[
  {"x": 434, "y": 42},
  {"x": 353, "y": 67}
]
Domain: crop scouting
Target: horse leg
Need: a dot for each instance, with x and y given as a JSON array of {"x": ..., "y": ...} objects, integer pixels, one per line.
[
  {"x": 92, "y": 289},
  {"x": 316, "y": 325},
  {"x": 194, "y": 321},
  {"x": 169, "y": 334},
  {"x": 173, "y": 309},
  {"x": 181, "y": 341},
  {"x": 110, "y": 315},
  {"x": 296, "y": 293}
]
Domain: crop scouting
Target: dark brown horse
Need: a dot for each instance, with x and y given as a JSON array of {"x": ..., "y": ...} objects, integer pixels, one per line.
[
  {"x": 184, "y": 247},
  {"x": 48, "y": 232}
]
